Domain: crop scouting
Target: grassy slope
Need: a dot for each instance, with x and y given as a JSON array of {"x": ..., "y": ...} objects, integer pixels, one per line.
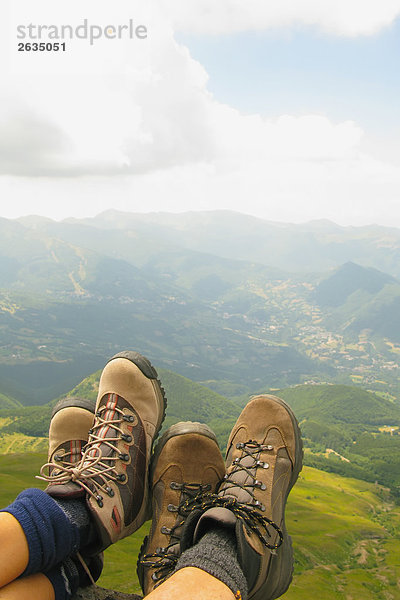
[
  {"x": 7, "y": 401},
  {"x": 345, "y": 532},
  {"x": 349, "y": 421},
  {"x": 342, "y": 404}
]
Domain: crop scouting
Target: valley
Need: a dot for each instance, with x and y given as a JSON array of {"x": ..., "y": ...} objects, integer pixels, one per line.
[{"x": 74, "y": 293}]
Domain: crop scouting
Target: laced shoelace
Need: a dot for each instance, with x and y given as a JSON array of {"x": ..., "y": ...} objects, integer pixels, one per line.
[
  {"x": 251, "y": 513},
  {"x": 70, "y": 458},
  {"x": 164, "y": 559},
  {"x": 93, "y": 472}
]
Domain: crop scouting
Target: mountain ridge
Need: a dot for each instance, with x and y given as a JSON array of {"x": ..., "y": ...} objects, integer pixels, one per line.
[{"x": 73, "y": 294}]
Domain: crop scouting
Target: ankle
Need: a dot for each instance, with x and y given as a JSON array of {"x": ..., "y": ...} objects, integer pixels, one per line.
[{"x": 192, "y": 583}]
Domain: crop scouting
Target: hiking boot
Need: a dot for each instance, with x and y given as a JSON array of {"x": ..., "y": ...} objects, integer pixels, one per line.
[
  {"x": 113, "y": 470},
  {"x": 70, "y": 422},
  {"x": 186, "y": 464},
  {"x": 264, "y": 458}
]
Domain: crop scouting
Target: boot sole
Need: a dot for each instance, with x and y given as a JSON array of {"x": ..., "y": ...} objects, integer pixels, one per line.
[{"x": 74, "y": 402}]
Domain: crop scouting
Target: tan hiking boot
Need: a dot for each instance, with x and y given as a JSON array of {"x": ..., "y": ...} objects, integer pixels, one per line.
[
  {"x": 113, "y": 470},
  {"x": 70, "y": 422},
  {"x": 187, "y": 463},
  {"x": 264, "y": 458}
]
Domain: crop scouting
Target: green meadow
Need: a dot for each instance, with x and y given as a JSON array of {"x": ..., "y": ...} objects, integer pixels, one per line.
[{"x": 346, "y": 535}]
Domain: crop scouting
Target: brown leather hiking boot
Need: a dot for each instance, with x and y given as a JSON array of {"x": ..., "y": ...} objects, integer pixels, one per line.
[
  {"x": 70, "y": 422},
  {"x": 264, "y": 458},
  {"x": 113, "y": 470},
  {"x": 187, "y": 463}
]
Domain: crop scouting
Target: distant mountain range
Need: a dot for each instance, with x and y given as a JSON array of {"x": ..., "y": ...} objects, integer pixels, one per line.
[
  {"x": 309, "y": 247},
  {"x": 220, "y": 297}
]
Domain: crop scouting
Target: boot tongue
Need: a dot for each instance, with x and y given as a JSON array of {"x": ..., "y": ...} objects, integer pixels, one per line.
[
  {"x": 240, "y": 480},
  {"x": 218, "y": 516},
  {"x": 65, "y": 490}
]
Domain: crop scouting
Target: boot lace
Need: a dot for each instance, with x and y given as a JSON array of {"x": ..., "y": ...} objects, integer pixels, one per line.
[
  {"x": 251, "y": 513},
  {"x": 69, "y": 458},
  {"x": 94, "y": 471},
  {"x": 164, "y": 559}
]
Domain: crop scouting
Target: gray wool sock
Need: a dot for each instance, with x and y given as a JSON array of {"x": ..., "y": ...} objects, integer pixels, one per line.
[
  {"x": 216, "y": 554},
  {"x": 78, "y": 513}
]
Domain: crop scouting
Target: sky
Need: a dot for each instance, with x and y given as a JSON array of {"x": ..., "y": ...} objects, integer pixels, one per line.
[{"x": 286, "y": 110}]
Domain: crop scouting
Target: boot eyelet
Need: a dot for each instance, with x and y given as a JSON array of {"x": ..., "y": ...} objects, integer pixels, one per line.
[
  {"x": 165, "y": 530},
  {"x": 154, "y": 577},
  {"x": 121, "y": 477},
  {"x": 128, "y": 418},
  {"x": 175, "y": 486},
  {"x": 126, "y": 437},
  {"x": 110, "y": 491},
  {"x": 240, "y": 445},
  {"x": 124, "y": 457},
  {"x": 172, "y": 508},
  {"x": 269, "y": 447},
  {"x": 57, "y": 458},
  {"x": 260, "y": 485},
  {"x": 266, "y": 466}
]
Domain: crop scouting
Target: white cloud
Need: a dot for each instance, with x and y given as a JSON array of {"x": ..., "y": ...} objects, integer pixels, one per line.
[
  {"x": 147, "y": 108},
  {"x": 132, "y": 124},
  {"x": 337, "y": 17}
]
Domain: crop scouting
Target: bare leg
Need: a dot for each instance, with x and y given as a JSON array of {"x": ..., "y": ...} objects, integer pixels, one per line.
[
  {"x": 193, "y": 584},
  {"x": 14, "y": 552},
  {"x": 33, "y": 587}
]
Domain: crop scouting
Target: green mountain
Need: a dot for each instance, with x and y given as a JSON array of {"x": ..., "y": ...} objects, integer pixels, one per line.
[
  {"x": 68, "y": 309},
  {"x": 347, "y": 279},
  {"x": 356, "y": 299},
  {"x": 307, "y": 247},
  {"x": 7, "y": 402},
  {"x": 203, "y": 294},
  {"x": 349, "y": 431},
  {"x": 339, "y": 404}
]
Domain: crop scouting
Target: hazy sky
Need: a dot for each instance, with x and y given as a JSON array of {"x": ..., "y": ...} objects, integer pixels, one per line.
[{"x": 286, "y": 110}]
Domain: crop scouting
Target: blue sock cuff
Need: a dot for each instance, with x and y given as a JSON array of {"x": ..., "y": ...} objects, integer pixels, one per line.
[
  {"x": 51, "y": 536},
  {"x": 65, "y": 580}
]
